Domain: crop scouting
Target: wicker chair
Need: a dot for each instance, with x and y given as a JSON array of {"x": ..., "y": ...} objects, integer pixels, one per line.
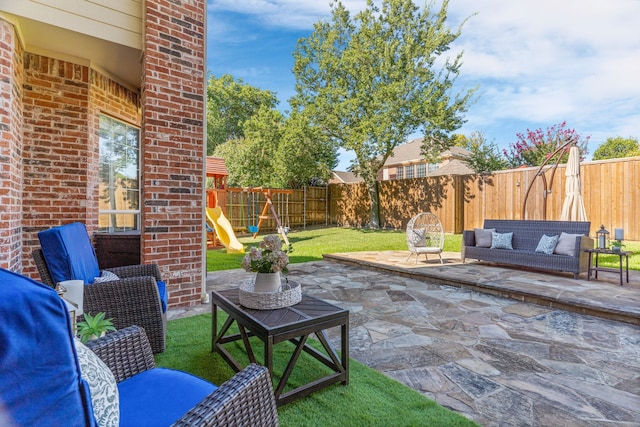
[
  {"x": 132, "y": 300},
  {"x": 425, "y": 236},
  {"x": 247, "y": 399}
]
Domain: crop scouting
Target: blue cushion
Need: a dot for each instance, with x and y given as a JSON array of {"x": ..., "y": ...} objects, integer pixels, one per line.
[
  {"x": 40, "y": 380},
  {"x": 164, "y": 295},
  {"x": 69, "y": 254},
  {"x": 160, "y": 396}
]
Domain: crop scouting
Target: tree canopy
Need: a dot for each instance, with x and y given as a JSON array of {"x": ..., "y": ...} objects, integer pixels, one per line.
[
  {"x": 230, "y": 103},
  {"x": 533, "y": 148},
  {"x": 370, "y": 81},
  {"x": 614, "y": 148},
  {"x": 485, "y": 156}
]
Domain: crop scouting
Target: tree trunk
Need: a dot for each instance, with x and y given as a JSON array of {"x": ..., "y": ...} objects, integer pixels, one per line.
[{"x": 374, "y": 213}]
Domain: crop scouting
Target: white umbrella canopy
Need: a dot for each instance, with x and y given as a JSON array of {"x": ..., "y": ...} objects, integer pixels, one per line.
[{"x": 573, "y": 207}]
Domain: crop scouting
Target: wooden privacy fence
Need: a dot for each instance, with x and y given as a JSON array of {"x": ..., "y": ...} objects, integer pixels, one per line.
[
  {"x": 610, "y": 188},
  {"x": 303, "y": 208}
]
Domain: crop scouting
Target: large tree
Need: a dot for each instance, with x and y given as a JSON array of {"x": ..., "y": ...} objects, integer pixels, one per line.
[
  {"x": 614, "y": 148},
  {"x": 484, "y": 157},
  {"x": 371, "y": 81},
  {"x": 230, "y": 103}
]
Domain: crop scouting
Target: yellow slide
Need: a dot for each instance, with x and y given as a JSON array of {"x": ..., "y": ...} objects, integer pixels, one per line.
[{"x": 224, "y": 231}]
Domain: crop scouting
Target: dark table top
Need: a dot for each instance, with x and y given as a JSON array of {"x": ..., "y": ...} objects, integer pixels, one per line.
[{"x": 310, "y": 314}]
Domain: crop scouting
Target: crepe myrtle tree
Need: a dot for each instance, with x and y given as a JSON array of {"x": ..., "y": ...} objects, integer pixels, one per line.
[
  {"x": 534, "y": 147},
  {"x": 371, "y": 80}
]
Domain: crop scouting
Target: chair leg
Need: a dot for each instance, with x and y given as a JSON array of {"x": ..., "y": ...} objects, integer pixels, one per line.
[
  {"x": 409, "y": 257},
  {"x": 441, "y": 261}
]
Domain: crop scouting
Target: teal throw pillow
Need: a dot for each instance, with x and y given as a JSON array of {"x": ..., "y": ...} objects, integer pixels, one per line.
[
  {"x": 547, "y": 244},
  {"x": 501, "y": 240}
]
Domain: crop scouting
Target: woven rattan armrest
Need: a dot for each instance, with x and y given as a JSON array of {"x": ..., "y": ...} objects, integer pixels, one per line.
[
  {"x": 247, "y": 399},
  {"x": 126, "y": 352},
  {"x": 137, "y": 270},
  {"x": 130, "y": 301}
]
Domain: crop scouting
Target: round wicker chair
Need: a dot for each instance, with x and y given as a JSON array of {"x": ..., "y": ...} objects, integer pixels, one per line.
[{"x": 425, "y": 236}]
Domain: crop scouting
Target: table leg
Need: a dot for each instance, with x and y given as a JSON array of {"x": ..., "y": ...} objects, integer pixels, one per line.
[
  {"x": 344, "y": 330},
  {"x": 597, "y": 264},
  {"x": 627, "y": 257},
  {"x": 214, "y": 326},
  {"x": 589, "y": 266},
  {"x": 620, "y": 256}
]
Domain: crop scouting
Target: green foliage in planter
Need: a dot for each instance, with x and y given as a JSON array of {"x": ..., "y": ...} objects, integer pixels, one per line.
[{"x": 94, "y": 326}]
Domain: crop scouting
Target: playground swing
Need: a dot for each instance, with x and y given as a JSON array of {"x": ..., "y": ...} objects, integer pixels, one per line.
[
  {"x": 251, "y": 214},
  {"x": 283, "y": 206}
]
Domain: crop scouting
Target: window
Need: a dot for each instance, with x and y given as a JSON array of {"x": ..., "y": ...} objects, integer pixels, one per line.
[
  {"x": 119, "y": 184},
  {"x": 408, "y": 171},
  {"x": 399, "y": 172},
  {"x": 422, "y": 170},
  {"x": 433, "y": 167}
]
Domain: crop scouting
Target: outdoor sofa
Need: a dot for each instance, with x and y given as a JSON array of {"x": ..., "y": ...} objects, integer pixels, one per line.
[{"x": 527, "y": 246}]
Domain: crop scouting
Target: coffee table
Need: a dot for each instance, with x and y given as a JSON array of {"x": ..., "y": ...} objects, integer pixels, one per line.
[{"x": 311, "y": 316}]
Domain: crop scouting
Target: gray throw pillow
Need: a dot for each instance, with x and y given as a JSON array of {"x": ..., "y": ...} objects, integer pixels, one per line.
[
  {"x": 566, "y": 244},
  {"x": 483, "y": 237},
  {"x": 501, "y": 240},
  {"x": 547, "y": 244}
]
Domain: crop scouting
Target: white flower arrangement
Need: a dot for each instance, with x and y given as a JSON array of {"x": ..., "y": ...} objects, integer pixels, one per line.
[{"x": 268, "y": 258}]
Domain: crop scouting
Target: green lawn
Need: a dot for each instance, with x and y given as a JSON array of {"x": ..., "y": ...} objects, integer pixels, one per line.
[{"x": 309, "y": 245}]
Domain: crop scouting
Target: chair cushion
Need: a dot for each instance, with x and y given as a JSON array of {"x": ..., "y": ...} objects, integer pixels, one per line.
[
  {"x": 160, "y": 396},
  {"x": 102, "y": 383},
  {"x": 40, "y": 381},
  {"x": 164, "y": 295},
  {"x": 68, "y": 253}
]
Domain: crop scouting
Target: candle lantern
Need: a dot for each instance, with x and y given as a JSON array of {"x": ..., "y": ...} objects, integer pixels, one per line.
[
  {"x": 618, "y": 233},
  {"x": 602, "y": 236}
]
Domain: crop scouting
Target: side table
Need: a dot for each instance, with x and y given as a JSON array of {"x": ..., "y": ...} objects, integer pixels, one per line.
[
  {"x": 311, "y": 316},
  {"x": 595, "y": 268}
]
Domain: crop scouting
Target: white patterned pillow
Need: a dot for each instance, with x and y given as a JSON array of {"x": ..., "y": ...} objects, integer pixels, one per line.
[
  {"x": 106, "y": 276},
  {"x": 102, "y": 383},
  {"x": 501, "y": 240},
  {"x": 547, "y": 244}
]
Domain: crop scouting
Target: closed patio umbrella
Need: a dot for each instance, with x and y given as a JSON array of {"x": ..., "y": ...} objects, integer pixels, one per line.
[{"x": 573, "y": 207}]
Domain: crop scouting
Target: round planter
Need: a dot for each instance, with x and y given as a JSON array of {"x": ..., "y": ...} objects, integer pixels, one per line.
[{"x": 267, "y": 282}]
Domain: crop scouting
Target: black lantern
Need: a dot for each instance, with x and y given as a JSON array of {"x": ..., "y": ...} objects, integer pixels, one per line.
[{"x": 602, "y": 236}]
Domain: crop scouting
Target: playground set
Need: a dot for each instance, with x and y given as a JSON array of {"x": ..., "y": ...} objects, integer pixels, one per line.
[{"x": 243, "y": 203}]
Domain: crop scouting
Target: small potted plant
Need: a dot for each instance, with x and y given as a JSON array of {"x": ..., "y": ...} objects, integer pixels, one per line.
[
  {"x": 93, "y": 327},
  {"x": 267, "y": 261},
  {"x": 616, "y": 245}
]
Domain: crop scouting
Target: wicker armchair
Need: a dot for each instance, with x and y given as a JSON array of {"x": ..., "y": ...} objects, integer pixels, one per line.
[
  {"x": 132, "y": 300},
  {"x": 425, "y": 236},
  {"x": 247, "y": 399}
]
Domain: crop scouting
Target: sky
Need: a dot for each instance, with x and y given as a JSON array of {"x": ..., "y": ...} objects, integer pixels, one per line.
[{"x": 536, "y": 63}]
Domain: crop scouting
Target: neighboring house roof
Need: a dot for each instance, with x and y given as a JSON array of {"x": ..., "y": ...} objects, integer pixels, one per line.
[
  {"x": 410, "y": 152},
  {"x": 343, "y": 177},
  {"x": 454, "y": 167}
]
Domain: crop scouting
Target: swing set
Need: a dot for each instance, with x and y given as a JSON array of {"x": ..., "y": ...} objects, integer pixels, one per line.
[{"x": 268, "y": 211}]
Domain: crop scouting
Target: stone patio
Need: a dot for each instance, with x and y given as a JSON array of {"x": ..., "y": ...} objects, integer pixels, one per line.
[{"x": 449, "y": 332}]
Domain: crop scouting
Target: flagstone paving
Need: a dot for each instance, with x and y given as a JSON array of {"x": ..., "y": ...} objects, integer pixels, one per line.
[{"x": 499, "y": 361}]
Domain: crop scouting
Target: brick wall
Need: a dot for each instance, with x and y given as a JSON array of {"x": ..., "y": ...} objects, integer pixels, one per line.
[
  {"x": 10, "y": 148},
  {"x": 173, "y": 132},
  {"x": 56, "y": 151}
]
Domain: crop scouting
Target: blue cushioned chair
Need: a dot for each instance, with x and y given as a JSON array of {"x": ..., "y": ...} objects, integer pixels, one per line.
[
  {"x": 41, "y": 381},
  {"x": 138, "y": 297}
]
